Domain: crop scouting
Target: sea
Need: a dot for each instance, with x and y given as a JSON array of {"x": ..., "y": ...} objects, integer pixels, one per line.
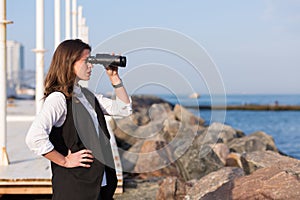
[{"x": 283, "y": 126}]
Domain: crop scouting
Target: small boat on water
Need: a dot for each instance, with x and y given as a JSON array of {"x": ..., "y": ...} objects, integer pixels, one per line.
[{"x": 194, "y": 95}]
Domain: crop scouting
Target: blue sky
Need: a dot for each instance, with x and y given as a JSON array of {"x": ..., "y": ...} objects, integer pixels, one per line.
[{"x": 254, "y": 44}]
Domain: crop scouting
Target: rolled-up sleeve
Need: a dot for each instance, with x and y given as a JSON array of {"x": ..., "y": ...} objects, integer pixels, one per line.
[
  {"x": 52, "y": 114},
  {"x": 114, "y": 107}
]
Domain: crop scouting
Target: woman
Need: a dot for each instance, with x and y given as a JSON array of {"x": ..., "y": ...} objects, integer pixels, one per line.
[{"x": 70, "y": 130}]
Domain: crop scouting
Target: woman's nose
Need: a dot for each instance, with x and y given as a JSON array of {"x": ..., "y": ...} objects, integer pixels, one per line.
[{"x": 90, "y": 65}]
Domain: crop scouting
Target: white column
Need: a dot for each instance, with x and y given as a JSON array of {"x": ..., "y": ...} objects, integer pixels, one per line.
[
  {"x": 74, "y": 19},
  {"x": 39, "y": 88},
  {"x": 56, "y": 23},
  {"x": 68, "y": 19},
  {"x": 86, "y": 34},
  {"x": 84, "y": 31},
  {"x": 79, "y": 35},
  {"x": 4, "y": 157}
]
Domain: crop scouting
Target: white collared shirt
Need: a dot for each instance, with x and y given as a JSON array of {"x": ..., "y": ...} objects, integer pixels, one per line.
[{"x": 54, "y": 113}]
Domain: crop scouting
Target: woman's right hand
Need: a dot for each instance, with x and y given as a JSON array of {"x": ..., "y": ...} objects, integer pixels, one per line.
[{"x": 82, "y": 158}]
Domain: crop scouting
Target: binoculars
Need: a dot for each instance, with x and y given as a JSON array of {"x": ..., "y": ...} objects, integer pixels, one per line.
[{"x": 108, "y": 60}]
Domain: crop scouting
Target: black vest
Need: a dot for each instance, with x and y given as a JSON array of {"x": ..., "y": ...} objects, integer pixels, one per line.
[{"x": 78, "y": 132}]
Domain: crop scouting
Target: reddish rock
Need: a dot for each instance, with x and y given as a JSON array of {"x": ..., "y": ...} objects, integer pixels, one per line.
[
  {"x": 233, "y": 160},
  {"x": 267, "y": 183},
  {"x": 213, "y": 182},
  {"x": 171, "y": 188},
  {"x": 154, "y": 160}
]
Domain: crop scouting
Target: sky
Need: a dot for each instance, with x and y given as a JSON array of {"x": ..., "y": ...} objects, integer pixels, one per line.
[{"x": 254, "y": 46}]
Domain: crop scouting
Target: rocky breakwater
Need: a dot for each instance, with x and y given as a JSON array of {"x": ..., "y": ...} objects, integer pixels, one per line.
[{"x": 168, "y": 153}]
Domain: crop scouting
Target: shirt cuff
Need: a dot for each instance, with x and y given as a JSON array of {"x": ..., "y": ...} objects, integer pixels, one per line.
[
  {"x": 43, "y": 149},
  {"x": 124, "y": 109}
]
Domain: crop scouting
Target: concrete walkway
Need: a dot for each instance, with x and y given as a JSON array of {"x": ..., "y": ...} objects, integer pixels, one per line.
[{"x": 25, "y": 169}]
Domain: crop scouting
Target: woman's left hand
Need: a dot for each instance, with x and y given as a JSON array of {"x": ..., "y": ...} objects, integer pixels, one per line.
[
  {"x": 111, "y": 71},
  {"x": 113, "y": 74}
]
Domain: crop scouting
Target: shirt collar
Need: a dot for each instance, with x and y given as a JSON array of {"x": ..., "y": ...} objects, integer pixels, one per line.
[{"x": 77, "y": 90}]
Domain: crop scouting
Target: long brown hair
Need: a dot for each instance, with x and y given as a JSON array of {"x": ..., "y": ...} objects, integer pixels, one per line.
[{"x": 61, "y": 75}]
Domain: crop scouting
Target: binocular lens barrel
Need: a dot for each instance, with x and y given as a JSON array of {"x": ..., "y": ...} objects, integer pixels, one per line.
[{"x": 107, "y": 59}]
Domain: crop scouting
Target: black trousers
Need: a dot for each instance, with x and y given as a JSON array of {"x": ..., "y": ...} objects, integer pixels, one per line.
[{"x": 107, "y": 192}]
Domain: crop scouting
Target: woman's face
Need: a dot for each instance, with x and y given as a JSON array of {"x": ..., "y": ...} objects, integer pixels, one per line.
[{"x": 82, "y": 68}]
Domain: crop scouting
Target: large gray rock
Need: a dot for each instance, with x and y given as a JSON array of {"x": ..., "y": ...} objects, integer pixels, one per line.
[
  {"x": 268, "y": 140},
  {"x": 185, "y": 116},
  {"x": 146, "y": 101},
  {"x": 174, "y": 129},
  {"x": 206, "y": 154},
  {"x": 221, "y": 150},
  {"x": 261, "y": 159},
  {"x": 129, "y": 157},
  {"x": 141, "y": 105},
  {"x": 258, "y": 141},
  {"x": 171, "y": 128},
  {"x": 128, "y": 131},
  {"x": 124, "y": 132},
  {"x": 199, "y": 160},
  {"x": 206, "y": 186},
  {"x": 159, "y": 112},
  {"x": 220, "y": 133}
]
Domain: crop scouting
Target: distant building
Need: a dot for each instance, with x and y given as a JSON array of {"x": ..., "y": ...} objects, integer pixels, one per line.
[{"x": 15, "y": 66}]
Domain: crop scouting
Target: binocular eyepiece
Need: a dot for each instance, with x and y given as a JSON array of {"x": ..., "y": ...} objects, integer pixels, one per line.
[{"x": 108, "y": 60}]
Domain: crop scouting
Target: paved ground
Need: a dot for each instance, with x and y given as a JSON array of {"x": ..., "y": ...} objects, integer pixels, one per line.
[{"x": 23, "y": 164}]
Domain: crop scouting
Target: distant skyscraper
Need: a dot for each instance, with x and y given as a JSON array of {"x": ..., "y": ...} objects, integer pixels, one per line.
[{"x": 15, "y": 64}]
